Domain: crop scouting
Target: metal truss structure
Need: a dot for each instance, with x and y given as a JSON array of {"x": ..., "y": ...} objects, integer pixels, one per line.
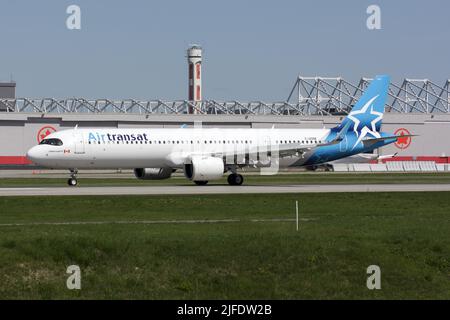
[
  {"x": 131, "y": 106},
  {"x": 309, "y": 96},
  {"x": 325, "y": 96}
]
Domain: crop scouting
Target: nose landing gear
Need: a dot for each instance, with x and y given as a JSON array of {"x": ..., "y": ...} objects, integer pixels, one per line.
[{"x": 72, "y": 181}]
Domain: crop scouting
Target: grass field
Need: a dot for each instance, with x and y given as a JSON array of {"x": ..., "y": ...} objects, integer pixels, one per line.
[
  {"x": 406, "y": 234},
  {"x": 292, "y": 178}
]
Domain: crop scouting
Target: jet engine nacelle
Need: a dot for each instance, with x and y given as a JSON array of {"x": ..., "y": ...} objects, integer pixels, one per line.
[
  {"x": 204, "y": 169},
  {"x": 153, "y": 173}
]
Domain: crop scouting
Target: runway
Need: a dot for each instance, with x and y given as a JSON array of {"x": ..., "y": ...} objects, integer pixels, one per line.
[{"x": 220, "y": 189}]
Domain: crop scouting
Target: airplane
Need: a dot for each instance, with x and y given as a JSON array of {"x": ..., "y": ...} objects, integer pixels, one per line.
[{"x": 206, "y": 154}]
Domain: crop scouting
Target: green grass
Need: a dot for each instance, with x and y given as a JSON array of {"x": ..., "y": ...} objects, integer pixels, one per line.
[
  {"x": 406, "y": 234},
  {"x": 294, "y": 178}
]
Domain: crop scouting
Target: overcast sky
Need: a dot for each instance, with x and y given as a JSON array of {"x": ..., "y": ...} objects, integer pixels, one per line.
[{"x": 253, "y": 50}]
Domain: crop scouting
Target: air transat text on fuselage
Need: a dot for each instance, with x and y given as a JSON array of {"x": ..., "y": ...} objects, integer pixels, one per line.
[{"x": 97, "y": 137}]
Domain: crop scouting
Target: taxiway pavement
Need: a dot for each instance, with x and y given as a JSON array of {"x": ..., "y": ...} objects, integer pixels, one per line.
[{"x": 220, "y": 189}]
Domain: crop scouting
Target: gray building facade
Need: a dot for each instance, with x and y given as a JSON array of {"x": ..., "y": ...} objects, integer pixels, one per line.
[{"x": 20, "y": 131}]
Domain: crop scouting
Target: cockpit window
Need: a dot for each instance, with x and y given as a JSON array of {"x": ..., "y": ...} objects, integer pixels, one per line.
[{"x": 52, "y": 142}]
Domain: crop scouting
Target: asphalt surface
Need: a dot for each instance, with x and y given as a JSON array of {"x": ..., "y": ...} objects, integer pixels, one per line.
[{"x": 219, "y": 189}]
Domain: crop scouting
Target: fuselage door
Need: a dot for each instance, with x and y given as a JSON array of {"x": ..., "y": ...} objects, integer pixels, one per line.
[
  {"x": 265, "y": 151},
  {"x": 79, "y": 144}
]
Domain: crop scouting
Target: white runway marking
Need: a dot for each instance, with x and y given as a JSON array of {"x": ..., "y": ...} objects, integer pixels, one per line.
[
  {"x": 17, "y": 189},
  {"x": 282, "y": 220},
  {"x": 220, "y": 189},
  {"x": 198, "y": 221}
]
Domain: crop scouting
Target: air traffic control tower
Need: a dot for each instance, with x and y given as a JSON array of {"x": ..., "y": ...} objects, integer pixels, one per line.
[{"x": 194, "y": 56}]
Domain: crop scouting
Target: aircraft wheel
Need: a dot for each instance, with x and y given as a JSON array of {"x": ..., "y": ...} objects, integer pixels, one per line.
[
  {"x": 72, "y": 182},
  {"x": 235, "y": 179},
  {"x": 201, "y": 183}
]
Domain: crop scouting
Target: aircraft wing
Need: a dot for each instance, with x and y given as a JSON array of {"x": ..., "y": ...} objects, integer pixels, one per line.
[
  {"x": 277, "y": 150},
  {"x": 245, "y": 154},
  {"x": 297, "y": 149},
  {"x": 283, "y": 150}
]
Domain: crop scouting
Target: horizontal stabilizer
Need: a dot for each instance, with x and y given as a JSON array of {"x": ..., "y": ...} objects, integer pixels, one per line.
[{"x": 374, "y": 140}]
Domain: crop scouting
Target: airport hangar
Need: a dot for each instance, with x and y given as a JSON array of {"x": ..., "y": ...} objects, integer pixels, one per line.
[{"x": 414, "y": 106}]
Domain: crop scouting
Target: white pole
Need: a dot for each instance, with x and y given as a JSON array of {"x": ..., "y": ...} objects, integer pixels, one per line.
[{"x": 296, "y": 213}]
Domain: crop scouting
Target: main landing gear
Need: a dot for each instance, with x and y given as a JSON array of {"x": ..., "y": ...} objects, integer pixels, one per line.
[
  {"x": 72, "y": 181},
  {"x": 235, "y": 179},
  {"x": 201, "y": 183}
]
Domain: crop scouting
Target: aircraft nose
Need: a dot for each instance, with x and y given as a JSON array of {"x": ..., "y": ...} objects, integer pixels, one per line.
[{"x": 33, "y": 154}]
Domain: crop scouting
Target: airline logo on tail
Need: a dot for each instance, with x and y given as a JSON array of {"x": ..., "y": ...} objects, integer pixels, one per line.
[
  {"x": 367, "y": 113},
  {"x": 365, "y": 118}
]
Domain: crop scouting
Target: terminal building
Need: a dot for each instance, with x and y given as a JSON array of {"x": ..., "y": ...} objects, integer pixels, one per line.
[{"x": 415, "y": 106}]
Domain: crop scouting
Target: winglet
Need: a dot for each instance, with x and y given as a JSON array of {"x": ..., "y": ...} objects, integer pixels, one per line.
[
  {"x": 343, "y": 131},
  {"x": 339, "y": 136}
]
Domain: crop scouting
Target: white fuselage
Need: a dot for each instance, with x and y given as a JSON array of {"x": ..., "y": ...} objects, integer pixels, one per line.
[{"x": 167, "y": 147}]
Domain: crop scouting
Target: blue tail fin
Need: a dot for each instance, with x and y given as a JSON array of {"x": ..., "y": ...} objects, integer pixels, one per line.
[{"x": 367, "y": 113}]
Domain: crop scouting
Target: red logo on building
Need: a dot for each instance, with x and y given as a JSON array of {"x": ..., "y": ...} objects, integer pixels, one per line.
[
  {"x": 402, "y": 142},
  {"x": 43, "y": 132}
]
